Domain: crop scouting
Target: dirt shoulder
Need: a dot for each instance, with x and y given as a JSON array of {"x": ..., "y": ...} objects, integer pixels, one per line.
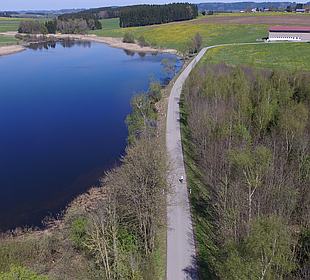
[{"x": 5, "y": 50}]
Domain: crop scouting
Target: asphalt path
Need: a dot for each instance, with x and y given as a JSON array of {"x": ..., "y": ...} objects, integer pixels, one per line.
[{"x": 181, "y": 253}]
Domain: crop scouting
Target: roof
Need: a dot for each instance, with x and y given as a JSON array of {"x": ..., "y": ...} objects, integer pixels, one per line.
[{"x": 290, "y": 28}]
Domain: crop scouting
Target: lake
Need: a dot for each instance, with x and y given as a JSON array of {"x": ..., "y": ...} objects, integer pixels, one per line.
[{"x": 62, "y": 122}]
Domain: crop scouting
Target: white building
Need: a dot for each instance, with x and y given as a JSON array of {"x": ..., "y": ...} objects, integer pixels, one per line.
[{"x": 289, "y": 33}]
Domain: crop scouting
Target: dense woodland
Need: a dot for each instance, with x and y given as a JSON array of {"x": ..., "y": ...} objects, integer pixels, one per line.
[
  {"x": 247, "y": 142},
  {"x": 156, "y": 14}
]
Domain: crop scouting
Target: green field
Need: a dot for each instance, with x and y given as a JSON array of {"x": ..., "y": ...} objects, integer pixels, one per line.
[
  {"x": 216, "y": 29},
  {"x": 176, "y": 35},
  {"x": 9, "y": 24},
  {"x": 110, "y": 23},
  {"x": 7, "y": 40},
  {"x": 291, "y": 56}
]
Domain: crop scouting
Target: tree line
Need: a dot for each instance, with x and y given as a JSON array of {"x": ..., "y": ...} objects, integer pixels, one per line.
[
  {"x": 247, "y": 141},
  {"x": 98, "y": 13},
  {"x": 67, "y": 26},
  {"x": 142, "y": 15}
]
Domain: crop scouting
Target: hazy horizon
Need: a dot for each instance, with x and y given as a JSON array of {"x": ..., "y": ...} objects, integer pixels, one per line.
[{"x": 15, "y": 5}]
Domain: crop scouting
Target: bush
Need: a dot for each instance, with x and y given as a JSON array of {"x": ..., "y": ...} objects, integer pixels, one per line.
[
  {"x": 32, "y": 27},
  {"x": 78, "y": 232},
  {"x": 155, "y": 91},
  {"x": 21, "y": 273},
  {"x": 51, "y": 26},
  {"x": 142, "y": 42},
  {"x": 72, "y": 26},
  {"x": 195, "y": 44},
  {"x": 128, "y": 38}
]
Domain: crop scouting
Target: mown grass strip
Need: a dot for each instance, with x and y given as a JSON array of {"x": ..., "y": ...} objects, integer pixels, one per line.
[{"x": 290, "y": 56}]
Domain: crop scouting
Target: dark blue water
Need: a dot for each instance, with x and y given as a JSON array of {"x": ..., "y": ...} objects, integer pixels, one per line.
[{"x": 62, "y": 113}]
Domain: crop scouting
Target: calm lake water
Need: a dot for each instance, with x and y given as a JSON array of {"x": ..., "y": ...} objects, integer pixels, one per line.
[{"x": 62, "y": 122}]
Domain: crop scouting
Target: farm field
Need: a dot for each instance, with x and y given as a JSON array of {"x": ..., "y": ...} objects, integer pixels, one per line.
[
  {"x": 6, "y": 40},
  {"x": 176, "y": 35},
  {"x": 290, "y": 56},
  {"x": 9, "y": 24},
  {"x": 259, "y": 18},
  {"x": 110, "y": 23},
  {"x": 217, "y": 29}
]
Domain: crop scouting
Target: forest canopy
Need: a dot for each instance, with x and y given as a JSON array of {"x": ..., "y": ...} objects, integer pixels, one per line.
[
  {"x": 247, "y": 142},
  {"x": 157, "y": 14}
]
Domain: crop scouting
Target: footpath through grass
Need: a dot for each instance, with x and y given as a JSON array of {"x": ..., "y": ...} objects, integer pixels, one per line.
[{"x": 289, "y": 56}]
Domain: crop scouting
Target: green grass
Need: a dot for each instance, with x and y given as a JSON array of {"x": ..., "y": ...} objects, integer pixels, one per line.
[
  {"x": 238, "y": 14},
  {"x": 110, "y": 23},
  {"x": 176, "y": 35},
  {"x": 12, "y": 24},
  {"x": 9, "y": 24},
  {"x": 290, "y": 56},
  {"x": 7, "y": 40}
]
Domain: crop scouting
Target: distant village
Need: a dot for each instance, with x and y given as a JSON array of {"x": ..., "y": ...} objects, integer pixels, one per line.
[
  {"x": 298, "y": 8},
  {"x": 292, "y": 8}
]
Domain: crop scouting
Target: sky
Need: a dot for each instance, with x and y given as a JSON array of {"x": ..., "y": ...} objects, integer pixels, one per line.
[{"x": 69, "y": 4}]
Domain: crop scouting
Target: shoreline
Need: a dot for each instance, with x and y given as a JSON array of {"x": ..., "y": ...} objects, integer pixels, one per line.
[
  {"x": 110, "y": 41},
  {"x": 6, "y": 50},
  {"x": 114, "y": 43}
]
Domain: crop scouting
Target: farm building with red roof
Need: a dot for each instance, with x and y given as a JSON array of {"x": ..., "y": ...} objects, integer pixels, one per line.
[{"x": 289, "y": 33}]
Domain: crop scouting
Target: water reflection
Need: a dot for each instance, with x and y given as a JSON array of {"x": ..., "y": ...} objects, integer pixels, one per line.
[
  {"x": 67, "y": 43},
  {"x": 141, "y": 54},
  {"x": 129, "y": 53}
]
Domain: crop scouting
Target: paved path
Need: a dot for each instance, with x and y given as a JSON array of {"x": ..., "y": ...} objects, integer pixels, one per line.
[{"x": 181, "y": 253}]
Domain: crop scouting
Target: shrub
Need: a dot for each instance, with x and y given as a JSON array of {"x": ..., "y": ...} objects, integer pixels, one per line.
[
  {"x": 32, "y": 27},
  {"x": 142, "y": 42},
  {"x": 21, "y": 273},
  {"x": 128, "y": 38},
  {"x": 195, "y": 44},
  {"x": 51, "y": 26},
  {"x": 155, "y": 91},
  {"x": 78, "y": 232}
]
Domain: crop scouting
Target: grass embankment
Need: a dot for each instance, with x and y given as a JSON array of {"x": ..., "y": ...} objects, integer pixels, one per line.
[{"x": 290, "y": 56}]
